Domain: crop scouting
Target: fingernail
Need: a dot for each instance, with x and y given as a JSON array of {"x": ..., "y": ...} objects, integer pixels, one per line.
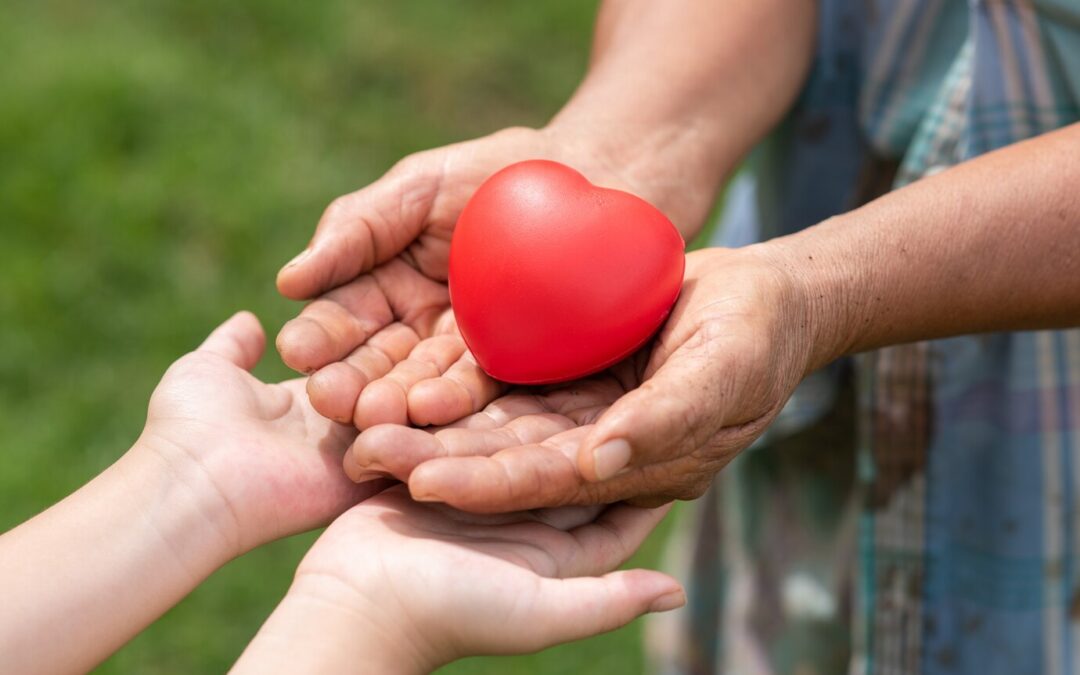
[
  {"x": 300, "y": 257},
  {"x": 666, "y": 603},
  {"x": 611, "y": 458}
]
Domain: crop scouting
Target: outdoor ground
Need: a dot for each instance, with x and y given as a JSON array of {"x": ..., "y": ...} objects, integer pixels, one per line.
[{"x": 159, "y": 160}]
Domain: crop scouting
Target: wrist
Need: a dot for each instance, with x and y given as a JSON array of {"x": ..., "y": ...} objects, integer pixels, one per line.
[
  {"x": 326, "y": 625},
  {"x": 177, "y": 502},
  {"x": 820, "y": 297},
  {"x": 676, "y": 165}
]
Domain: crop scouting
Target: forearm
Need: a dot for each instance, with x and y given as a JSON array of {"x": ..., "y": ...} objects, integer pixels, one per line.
[
  {"x": 85, "y": 576},
  {"x": 992, "y": 244},
  {"x": 321, "y": 627},
  {"x": 678, "y": 91}
]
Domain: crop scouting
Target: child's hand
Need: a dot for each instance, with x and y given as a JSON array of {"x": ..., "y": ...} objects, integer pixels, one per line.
[
  {"x": 262, "y": 463},
  {"x": 398, "y": 586},
  {"x": 225, "y": 463}
]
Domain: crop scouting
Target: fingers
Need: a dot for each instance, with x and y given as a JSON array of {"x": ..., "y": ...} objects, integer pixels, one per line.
[
  {"x": 364, "y": 229},
  {"x": 504, "y": 410},
  {"x": 544, "y": 475},
  {"x": 598, "y": 544},
  {"x": 397, "y": 450},
  {"x": 240, "y": 339},
  {"x": 535, "y": 435},
  {"x": 675, "y": 412},
  {"x": 385, "y": 401},
  {"x": 462, "y": 390},
  {"x": 335, "y": 389},
  {"x": 573, "y": 609},
  {"x": 337, "y": 323},
  {"x": 611, "y": 539},
  {"x": 519, "y": 478},
  {"x": 334, "y": 325}
]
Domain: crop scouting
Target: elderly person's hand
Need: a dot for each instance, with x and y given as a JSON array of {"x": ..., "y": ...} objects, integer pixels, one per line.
[
  {"x": 379, "y": 259},
  {"x": 654, "y": 428}
]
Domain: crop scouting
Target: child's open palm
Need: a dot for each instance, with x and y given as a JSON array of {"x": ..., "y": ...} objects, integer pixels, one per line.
[{"x": 418, "y": 585}]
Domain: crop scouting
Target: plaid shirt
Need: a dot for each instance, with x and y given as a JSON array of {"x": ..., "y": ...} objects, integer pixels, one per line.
[{"x": 916, "y": 510}]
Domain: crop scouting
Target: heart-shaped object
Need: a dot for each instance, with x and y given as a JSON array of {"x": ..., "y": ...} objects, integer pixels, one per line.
[{"x": 553, "y": 278}]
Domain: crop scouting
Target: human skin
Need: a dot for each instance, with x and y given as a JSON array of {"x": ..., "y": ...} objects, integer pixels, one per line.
[
  {"x": 944, "y": 257},
  {"x": 224, "y": 464},
  {"x": 990, "y": 245},
  {"x": 675, "y": 94},
  {"x": 394, "y": 586}
]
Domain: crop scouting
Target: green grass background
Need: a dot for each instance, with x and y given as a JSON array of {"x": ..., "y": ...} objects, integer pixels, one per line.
[{"x": 159, "y": 160}]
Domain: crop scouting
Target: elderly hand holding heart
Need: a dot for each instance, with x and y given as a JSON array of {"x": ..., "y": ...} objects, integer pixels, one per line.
[
  {"x": 653, "y": 428},
  {"x": 384, "y": 346},
  {"x": 555, "y": 278},
  {"x": 396, "y": 376}
]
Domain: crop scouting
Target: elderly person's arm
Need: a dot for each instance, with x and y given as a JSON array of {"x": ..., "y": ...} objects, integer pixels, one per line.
[
  {"x": 992, "y": 244},
  {"x": 677, "y": 91}
]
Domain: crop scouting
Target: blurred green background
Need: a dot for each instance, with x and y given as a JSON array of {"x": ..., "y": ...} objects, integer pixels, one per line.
[{"x": 159, "y": 160}]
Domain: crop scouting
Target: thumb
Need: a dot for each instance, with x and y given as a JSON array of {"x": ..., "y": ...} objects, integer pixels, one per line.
[
  {"x": 240, "y": 340},
  {"x": 665, "y": 417},
  {"x": 363, "y": 229},
  {"x": 573, "y": 609}
]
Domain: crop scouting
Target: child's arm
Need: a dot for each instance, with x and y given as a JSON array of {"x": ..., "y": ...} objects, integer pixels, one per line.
[
  {"x": 84, "y": 577},
  {"x": 224, "y": 464},
  {"x": 395, "y": 586}
]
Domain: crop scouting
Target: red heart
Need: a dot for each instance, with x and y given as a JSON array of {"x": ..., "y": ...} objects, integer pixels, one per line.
[{"x": 553, "y": 278}]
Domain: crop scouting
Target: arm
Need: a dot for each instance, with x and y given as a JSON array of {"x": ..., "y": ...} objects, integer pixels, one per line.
[
  {"x": 224, "y": 464},
  {"x": 394, "y": 586},
  {"x": 990, "y": 245},
  {"x": 101, "y": 565},
  {"x": 324, "y": 627},
  {"x": 677, "y": 91}
]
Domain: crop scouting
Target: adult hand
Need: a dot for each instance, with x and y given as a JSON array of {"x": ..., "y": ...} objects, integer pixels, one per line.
[
  {"x": 379, "y": 259},
  {"x": 258, "y": 459},
  {"x": 654, "y": 428},
  {"x": 401, "y": 587}
]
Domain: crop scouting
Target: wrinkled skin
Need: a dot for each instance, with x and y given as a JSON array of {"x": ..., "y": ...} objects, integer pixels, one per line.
[
  {"x": 377, "y": 268},
  {"x": 384, "y": 349},
  {"x": 719, "y": 372}
]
